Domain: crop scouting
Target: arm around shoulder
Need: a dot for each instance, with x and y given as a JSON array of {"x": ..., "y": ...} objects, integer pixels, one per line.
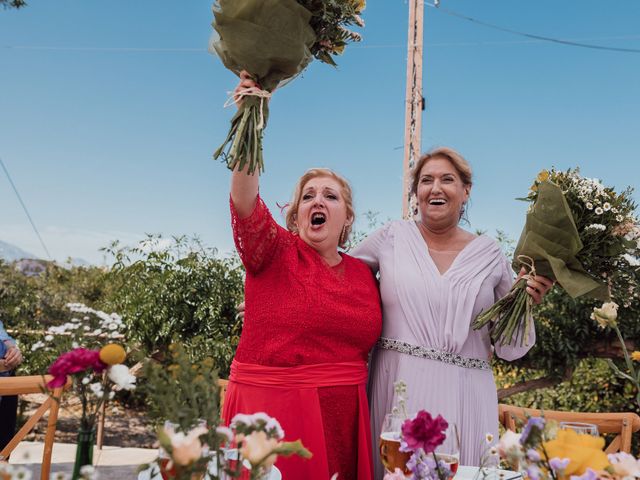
[{"x": 369, "y": 249}]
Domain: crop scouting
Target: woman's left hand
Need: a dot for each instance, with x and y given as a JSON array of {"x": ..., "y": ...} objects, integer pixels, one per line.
[
  {"x": 13, "y": 358},
  {"x": 537, "y": 286}
]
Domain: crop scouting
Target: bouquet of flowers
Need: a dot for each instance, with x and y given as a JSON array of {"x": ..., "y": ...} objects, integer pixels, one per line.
[
  {"x": 94, "y": 374},
  {"x": 544, "y": 452},
  {"x": 576, "y": 233},
  {"x": 274, "y": 41}
]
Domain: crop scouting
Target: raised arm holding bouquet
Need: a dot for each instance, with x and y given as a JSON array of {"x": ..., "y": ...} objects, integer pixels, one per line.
[
  {"x": 574, "y": 234},
  {"x": 273, "y": 41}
]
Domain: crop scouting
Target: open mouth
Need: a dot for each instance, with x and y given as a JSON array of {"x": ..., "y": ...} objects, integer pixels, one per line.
[
  {"x": 318, "y": 219},
  {"x": 437, "y": 201}
]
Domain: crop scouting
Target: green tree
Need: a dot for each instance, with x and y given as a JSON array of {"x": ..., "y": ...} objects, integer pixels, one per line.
[{"x": 180, "y": 292}]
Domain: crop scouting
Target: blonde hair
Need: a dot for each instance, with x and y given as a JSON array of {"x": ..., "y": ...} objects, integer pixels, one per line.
[
  {"x": 347, "y": 195},
  {"x": 458, "y": 161}
]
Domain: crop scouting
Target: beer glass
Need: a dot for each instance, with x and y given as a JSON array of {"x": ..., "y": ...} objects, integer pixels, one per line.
[{"x": 390, "y": 435}]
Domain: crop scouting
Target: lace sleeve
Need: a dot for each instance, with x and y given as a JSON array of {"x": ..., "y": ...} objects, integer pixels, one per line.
[{"x": 256, "y": 237}]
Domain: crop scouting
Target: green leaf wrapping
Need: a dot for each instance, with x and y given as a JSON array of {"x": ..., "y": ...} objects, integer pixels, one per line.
[
  {"x": 271, "y": 40},
  {"x": 551, "y": 239}
]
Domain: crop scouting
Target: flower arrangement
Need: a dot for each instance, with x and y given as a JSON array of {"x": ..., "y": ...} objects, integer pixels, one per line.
[
  {"x": 183, "y": 400},
  {"x": 421, "y": 437},
  {"x": 578, "y": 232},
  {"x": 223, "y": 453},
  {"x": 94, "y": 375},
  {"x": 543, "y": 451},
  {"x": 274, "y": 41}
]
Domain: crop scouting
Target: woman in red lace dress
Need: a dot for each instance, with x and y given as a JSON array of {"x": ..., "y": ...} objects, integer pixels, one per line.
[{"x": 312, "y": 314}]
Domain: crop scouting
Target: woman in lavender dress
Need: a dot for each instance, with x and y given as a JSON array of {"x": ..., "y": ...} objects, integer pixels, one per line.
[{"x": 435, "y": 278}]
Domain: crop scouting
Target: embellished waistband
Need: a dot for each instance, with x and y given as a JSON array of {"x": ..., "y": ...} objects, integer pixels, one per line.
[{"x": 433, "y": 354}]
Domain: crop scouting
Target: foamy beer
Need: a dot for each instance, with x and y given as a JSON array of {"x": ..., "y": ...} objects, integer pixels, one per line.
[{"x": 390, "y": 453}]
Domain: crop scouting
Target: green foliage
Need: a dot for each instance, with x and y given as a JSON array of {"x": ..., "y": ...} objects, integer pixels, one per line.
[
  {"x": 31, "y": 304},
  {"x": 180, "y": 390},
  {"x": 177, "y": 292},
  {"x": 566, "y": 334},
  {"x": 12, "y": 3},
  {"x": 592, "y": 388}
]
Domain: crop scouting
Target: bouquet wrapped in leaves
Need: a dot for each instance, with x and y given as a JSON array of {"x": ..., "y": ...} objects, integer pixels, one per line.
[
  {"x": 274, "y": 41},
  {"x": 576, "y": 232}
]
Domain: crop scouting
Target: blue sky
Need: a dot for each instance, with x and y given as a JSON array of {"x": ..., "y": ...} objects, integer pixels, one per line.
[{"x": 110, "y": 111}]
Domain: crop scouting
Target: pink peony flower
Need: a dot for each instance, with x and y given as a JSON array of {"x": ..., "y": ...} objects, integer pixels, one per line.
[
  {"x": 424, "y": 432},
  {"x": 77, "y": 360}
]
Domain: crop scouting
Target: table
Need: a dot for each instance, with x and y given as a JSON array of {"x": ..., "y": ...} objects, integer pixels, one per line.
[
  {"x": 469, "y": 473},
  {"x": 146, "y": 474}
]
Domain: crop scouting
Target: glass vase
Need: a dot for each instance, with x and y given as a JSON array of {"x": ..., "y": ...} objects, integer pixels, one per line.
[{"x": 84, "y": 450}]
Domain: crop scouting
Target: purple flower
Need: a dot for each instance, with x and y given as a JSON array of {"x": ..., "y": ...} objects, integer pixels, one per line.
[
  {"x": 418, "y": 466},
  {"x": 532, "y": 431},
  {"x": 533, "y": 455},
  {"x": 588, "y": 475},
  {"x": 423, "y": 467},
  {"x": 423, "y": 432},
  {"x": 533, "y": 472},
  {"x": 559, "y": 464}
]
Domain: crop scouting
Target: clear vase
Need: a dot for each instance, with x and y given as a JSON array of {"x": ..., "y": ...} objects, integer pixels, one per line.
[{"x": 84, "y": 450}]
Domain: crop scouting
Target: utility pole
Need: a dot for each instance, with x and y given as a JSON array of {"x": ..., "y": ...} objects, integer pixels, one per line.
[{"x": 414, "y": 104}]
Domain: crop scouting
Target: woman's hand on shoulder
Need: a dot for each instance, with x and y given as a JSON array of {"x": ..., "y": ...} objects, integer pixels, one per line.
[{"x": 537, "y": 285}]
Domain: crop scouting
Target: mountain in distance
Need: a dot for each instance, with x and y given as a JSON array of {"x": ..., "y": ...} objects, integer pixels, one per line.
[{"x": 10, "y": 253}]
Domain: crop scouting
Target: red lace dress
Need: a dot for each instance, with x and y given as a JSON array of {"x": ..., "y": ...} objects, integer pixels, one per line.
[{"x": 300, "y": 313}]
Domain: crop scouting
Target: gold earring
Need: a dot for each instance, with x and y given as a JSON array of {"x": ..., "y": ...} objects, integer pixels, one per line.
[{"x": 341, "y": 240}]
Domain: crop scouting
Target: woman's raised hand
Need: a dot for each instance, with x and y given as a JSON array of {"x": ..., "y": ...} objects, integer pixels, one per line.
[{"x": 245, "y": 82}]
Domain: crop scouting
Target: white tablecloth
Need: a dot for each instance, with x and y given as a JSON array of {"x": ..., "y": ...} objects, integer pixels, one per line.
[{"x": 469, "y": 473}]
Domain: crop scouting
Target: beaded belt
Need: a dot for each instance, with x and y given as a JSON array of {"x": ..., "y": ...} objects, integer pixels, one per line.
[{"x": 433, "y": 354}]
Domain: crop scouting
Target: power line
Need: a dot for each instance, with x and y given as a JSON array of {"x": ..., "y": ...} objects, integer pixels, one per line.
[
  {"x": 24, "y": 207},
  {"x": 531, "y": 35},
  {"x": 531, "y": 40}
]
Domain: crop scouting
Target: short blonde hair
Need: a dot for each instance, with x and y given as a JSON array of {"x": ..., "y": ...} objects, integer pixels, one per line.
[
  {"x": 458, "y": 161},
  {"x": 347, "y": 195}
]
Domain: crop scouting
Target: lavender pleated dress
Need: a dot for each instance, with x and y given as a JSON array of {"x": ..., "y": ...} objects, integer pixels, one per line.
[{"x": 424, "y": 308}]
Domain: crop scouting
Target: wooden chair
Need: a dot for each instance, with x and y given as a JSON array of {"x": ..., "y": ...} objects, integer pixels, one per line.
[
  {"x": 621, "y": 424},
  {"x": 34, "y": 384}
]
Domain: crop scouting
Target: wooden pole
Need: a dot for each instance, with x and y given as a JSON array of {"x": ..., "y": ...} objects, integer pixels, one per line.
[{"x": 414, "y": 101}]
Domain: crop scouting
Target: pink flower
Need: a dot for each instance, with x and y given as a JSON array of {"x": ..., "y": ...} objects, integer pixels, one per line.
[
  {"x": 77, "y": 360},
  {"x": 423, "y": 432}
]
